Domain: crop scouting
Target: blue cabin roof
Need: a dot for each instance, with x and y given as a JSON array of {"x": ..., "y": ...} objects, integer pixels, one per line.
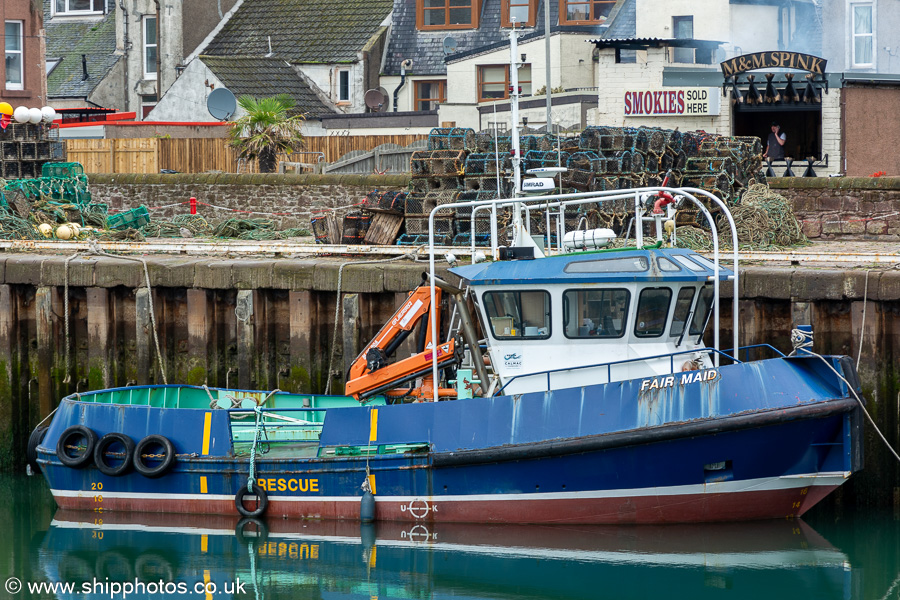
[{"x": 653, "y": 265}]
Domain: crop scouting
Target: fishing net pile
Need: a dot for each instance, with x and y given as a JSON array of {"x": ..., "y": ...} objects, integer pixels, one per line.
[
  {"x": 764, "y": 220},
  {"x": 59, "y": 205}
]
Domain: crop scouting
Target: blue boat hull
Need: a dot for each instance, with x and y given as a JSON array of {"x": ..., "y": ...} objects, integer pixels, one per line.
[{"x": 760, "y": 440}]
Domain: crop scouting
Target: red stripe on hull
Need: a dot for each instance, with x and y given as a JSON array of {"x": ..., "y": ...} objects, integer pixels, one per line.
[{"x": 688, "y": 508}]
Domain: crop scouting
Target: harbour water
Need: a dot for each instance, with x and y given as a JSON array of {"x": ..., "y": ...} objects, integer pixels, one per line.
[{"x": 169, "y": 556}]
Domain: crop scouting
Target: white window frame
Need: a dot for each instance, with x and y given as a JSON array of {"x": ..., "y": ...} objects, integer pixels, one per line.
[
  {"x": 149, "y": 70},
  {"x": 70, "y": 12},
  {"x": 341, "y": 74},
  {"x": 852, "y": 35},
  {"x": 20, "y": 85}
]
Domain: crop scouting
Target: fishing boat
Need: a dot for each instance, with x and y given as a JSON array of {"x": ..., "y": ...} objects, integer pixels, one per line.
[{"x": 576, "y": 384}]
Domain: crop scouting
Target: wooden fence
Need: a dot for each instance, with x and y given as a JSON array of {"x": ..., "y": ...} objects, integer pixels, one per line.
[{"x": 198, "y": 155}]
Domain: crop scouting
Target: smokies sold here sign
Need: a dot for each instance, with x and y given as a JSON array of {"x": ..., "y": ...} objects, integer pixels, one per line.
[{"x": 672, "y": 102}]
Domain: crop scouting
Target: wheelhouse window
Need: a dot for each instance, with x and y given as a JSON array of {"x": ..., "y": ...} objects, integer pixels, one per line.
[
  {"x": 682, "y": 311},
  {"x": 584, "y": 12},
  {"x": 518, "y": 315},
  {"x": 15, "y": 79},
  {"x": 79, "y": 7},
  {"x": 595, "y": 313},
  {"x": 863, "y": 35},
  {"x": 150, "y": 47},
  {"x": 652, "y": 312},
  {"x": 702, "y": 311},
  {"x": 493, "y": 82},
  {"x": 523, "y": 11},
  {"x": 447, "y": 14},
  {"x": 628, "y": 264},
  {"x": 429, "y": 94}
]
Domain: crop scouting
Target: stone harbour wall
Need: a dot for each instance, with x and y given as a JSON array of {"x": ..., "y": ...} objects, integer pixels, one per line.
[
  {"x": 290, "y": 200},
  {"x": 847, "y": 208},
  {"x": 829, "y": 208}
]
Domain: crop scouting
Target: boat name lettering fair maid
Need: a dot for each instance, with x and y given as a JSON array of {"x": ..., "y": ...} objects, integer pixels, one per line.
[{"x": 669, "y": 381}]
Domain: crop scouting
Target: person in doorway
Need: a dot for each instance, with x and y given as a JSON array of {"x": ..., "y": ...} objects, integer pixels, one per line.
[{"x": 775, "y": 148}]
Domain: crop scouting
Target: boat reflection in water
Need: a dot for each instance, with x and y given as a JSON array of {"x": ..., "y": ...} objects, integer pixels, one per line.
[{"x": 333, "y": 559}]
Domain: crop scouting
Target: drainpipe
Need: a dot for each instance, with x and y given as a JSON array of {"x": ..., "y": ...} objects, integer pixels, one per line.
[
  {"x": 125, "y": 48},
  {"x": 403, "y": 66},
  {"x": 158, "y": 54}
]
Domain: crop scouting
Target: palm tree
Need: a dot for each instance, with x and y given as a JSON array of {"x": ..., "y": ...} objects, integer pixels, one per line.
[{"x": 266, "y": 129}]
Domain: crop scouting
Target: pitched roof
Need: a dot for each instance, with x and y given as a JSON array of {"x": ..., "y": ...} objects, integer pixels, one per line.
[
  {"x": 264, "y": 77},
  {"x": 426, "y": 47},
  {"x": 302, "y": 31},
  {"x": 68, "y": 40}
]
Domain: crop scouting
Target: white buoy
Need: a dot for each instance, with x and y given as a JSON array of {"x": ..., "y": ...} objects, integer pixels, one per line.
[
  {"x": 35, "y": 115},
  {"x": 49, "y": 114},
  {"x": 45, "y": 229},
  {"x": 64, "y": 232},
  {"x": 22, "y": 114}
]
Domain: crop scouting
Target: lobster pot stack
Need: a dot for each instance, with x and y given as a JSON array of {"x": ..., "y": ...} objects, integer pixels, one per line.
[{"x": 26, "y": 147}]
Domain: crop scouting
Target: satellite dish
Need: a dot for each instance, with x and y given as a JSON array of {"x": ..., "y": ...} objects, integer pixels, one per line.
[
  {"x": 375, "y": 100},
  {"x": 221, "y": 104},
  {"x": 449, "y": 45}
]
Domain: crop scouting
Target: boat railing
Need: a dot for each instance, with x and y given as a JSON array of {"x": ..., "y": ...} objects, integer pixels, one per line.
[
  {"x": 640, "y": 197},
  {"x": 609, "y": 365},
  {"x": 754, "y": 346}
]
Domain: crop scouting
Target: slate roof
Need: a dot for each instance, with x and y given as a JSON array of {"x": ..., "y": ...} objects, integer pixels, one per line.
[
  {"x": 302, "y": 31},
  {"x": 263, "y": 77},
  {"x": 68, "y": 40},
  {"x": 426, "y": 47}
]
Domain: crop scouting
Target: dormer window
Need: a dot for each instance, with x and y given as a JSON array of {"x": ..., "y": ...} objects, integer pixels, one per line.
[
  {"x": 523, "y": 11},
  {"x": 584, "y": 12},
  {"x": 79, "y": 7},
  {"x": 447, "y": 14}
]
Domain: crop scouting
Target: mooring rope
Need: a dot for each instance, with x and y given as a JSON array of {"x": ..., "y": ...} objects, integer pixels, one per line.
[
  {"x": 337, "y": 305},
  {"x": 803, "y": 340},
  {"x": 95, "y": 249},
  {"x": 260, "y": 430}
]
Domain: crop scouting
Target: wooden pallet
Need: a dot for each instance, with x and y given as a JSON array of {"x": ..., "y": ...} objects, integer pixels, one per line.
[{"x": 383, "y": 229}]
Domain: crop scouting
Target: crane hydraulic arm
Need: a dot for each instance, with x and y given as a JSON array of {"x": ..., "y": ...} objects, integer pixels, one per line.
[{"x": 370, "y": 373}]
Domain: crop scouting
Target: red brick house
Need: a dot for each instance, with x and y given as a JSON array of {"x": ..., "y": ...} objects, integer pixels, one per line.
[{"x": 23, "y": 80}]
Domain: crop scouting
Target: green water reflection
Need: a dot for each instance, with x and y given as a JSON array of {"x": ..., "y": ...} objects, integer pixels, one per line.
[{"x": 822, "y": 557}]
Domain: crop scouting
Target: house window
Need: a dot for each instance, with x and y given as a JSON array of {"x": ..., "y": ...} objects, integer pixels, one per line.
[
  {"x": 343, "y": 86},
  {"x": 683, "y": 28},
  {"x": 150, "y": 49},
  {"x": 14, "y": 63},
  {"x": 429, "y": 94},
  {"x": 523, "y": 11},
  {"x": 446, "y": 14},
  {"x": 863, "y": 35},
  {"x": 493, "y": 82},
  {"x": 79, "y": 7},
  {"x": 147, "y": 104},
  {"x": 584, "y": 12}
]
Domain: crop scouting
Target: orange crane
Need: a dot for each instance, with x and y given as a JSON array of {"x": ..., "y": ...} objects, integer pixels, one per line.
[{"x": 371, "y": 374}]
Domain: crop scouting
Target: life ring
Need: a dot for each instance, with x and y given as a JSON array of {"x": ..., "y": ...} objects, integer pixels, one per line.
[
  {"x": 262, "y": 532},
  {"x": 66, "y": 442},
  {"x": 262, "y": 501},
  {"x": 168, "y": 456},
  {"x": 100, "y": 454},
  {"x": 34, "y": 440}
]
